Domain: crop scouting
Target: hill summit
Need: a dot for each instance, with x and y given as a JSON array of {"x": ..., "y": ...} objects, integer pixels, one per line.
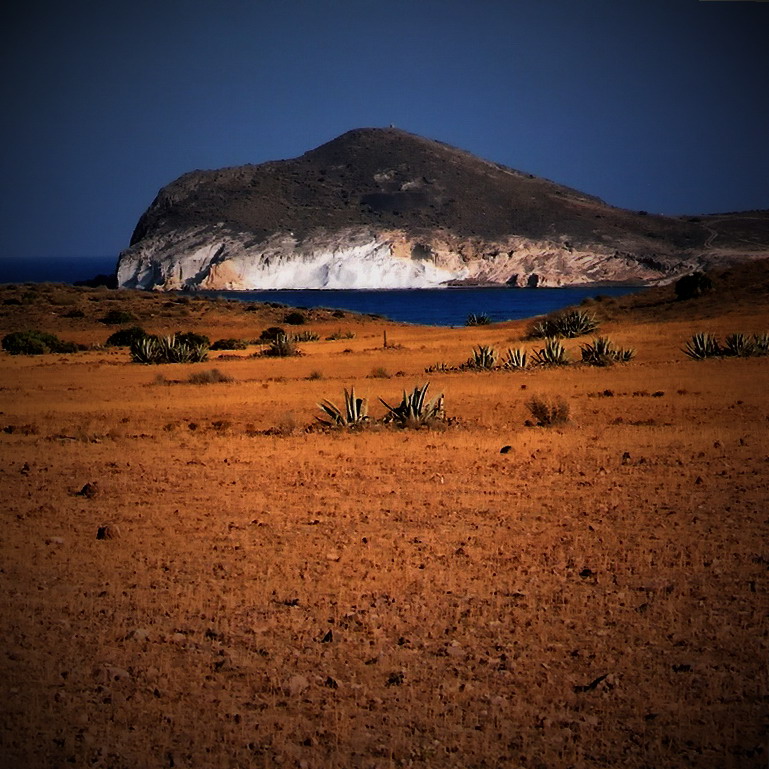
[{"x": 383, "y": 208}]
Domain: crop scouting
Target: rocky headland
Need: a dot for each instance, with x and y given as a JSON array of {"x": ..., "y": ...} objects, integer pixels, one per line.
[{"x": 382, "y": 208}]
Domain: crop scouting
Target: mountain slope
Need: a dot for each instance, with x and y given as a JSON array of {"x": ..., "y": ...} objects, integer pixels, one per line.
[{"x": 385, "y": 208}]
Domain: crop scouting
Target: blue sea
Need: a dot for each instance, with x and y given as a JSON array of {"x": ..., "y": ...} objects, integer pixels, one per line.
[
  {"x": 58, "y": 269},
  {"x": 435, "y": 307}
]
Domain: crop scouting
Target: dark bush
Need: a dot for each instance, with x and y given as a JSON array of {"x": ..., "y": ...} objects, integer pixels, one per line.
[
  {"x": 35, "y": 343},
  {"x": 125, "y": 337},
  {"x": 295, "y": 319},
  {"x": 117, "y": 318},
  {"x": 192, "y": 339},
  {"x": 210, "y": 376},
  {"x": 271, "y": 333},
  {"x": 74, "y": 314},
  {"x": 692, "y": 286},
  {"x": 229, "y": 344},
  {"x": 548, "y": 412}
]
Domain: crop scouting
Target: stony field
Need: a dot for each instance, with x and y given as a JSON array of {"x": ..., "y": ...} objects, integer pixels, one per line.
[{"x": 190, "y": 578}]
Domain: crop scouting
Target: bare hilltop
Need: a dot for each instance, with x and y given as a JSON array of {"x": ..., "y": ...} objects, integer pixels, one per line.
[{"x": 383, "y": 208}]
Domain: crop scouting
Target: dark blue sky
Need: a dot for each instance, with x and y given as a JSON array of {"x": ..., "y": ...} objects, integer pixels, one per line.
[{"x": 660, "y": 105}]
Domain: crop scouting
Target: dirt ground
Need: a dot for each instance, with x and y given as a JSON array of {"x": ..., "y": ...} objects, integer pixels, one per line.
[{"x": 264, "y": 596}]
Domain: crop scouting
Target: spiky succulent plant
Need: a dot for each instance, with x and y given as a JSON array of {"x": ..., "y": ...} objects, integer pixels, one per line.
[
  {"x": 552, "y": 354},
  {"x": 702, "y": 345},
  {"x": 415, "y": 410},
  {"x": 355, "y": 411}
]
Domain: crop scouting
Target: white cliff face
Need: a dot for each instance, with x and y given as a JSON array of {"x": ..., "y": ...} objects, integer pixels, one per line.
[
  {"x": 216, "y": 258},
  {"x": 370, "y": 265},
  {"x": 195, "y": 259}
]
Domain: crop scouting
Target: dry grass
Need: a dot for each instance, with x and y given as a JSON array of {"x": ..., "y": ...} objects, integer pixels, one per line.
[{"x": 276, "y": 598}]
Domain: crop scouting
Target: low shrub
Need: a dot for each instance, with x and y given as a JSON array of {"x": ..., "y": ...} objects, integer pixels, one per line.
[
  {"x": 339, "y": 334},
  {"x": 192, "y": 339},
  {"x": 36, "y": 343},
  {"x": 693, "y": 285},
  {"x": 271, "y": 333},
  {"x": 229, "y": 344},
  {"x": 379, "y": 372},
  {"x": 210, "y": 376},
  {"x": 548, "y": 412},
  {"x": 118, "y": 318},
  {"x": 125, "y": 337},
  {"x": 295, "y": 319}
]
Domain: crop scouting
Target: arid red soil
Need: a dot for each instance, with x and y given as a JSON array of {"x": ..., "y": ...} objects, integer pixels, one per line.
[{"x": 231, "y": 590}]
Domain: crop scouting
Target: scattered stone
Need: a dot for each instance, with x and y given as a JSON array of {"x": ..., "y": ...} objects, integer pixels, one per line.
[
  {"x": 296, "y": 685},
  {"x": 592, "y": 685},
  {"x": 395, "y": 678},
  {"x": 89, "y": 491},
  {"x": 108, "y": 531},
  {"x": 505, "y": 449},
  {"x": 138, "y": 634},
  {"x": 114, "y": 673},
  {"x": 54, "y": 541}
]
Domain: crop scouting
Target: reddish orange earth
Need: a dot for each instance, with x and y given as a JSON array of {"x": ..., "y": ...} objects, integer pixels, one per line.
[{"x": 190, "y": 578}]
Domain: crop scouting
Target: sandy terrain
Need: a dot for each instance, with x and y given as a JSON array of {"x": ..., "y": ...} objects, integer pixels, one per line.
[{"x": 271, "y": 597}]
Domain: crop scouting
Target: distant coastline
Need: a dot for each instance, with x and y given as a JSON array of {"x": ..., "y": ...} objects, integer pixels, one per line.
[{"x": 54, "y": 269}]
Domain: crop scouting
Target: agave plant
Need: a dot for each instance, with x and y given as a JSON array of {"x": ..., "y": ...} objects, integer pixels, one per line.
[
  {"x": 576, "y": 323},
  {"x": 441, "y": 367},
  {"x": 540, "y": 329},
  {"x": 760, "y": 344},
  {"x": 477, "y": 319},
  {"x": 281, "y": 347},
  {"x": 414, "y": 409},
  {"x": 484, "y": 357},
  {"x": 168, "y": 349},
  {"x": 515, "y": 360},
  {"x": 355, "y": 411},
  {"x": 739, "y": 345},
  {"x": 552, "y": 354},
  {"x": 145, "y": 350},
  {"x": 569, "y": 324},
  {"x": 625, "y": 354},
  {"x": 602, "y": 352},
  {"x": 702, "y": 346},
  {"x": 305, "y": 336}
]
